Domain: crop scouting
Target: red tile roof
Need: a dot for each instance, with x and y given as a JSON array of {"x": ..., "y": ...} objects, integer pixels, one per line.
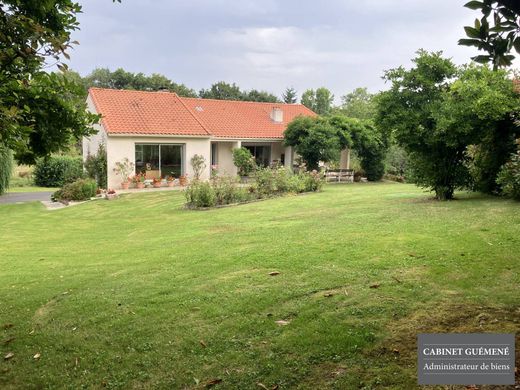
[
  {"x": 155, "y": 113},
  {"x": 142, "y": 113}
]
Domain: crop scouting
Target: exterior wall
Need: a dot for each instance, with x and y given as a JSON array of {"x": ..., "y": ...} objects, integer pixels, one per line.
[
  {"x": 91, "y": 144},
  {"x": 119, "y": 147},
  {"x": 225, "y": 158}
]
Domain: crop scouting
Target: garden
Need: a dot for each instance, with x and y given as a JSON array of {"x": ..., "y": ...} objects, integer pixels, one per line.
[{"x": 161, "y": 297}]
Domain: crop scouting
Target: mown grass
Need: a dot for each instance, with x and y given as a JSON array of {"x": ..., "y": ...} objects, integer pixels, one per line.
[{"x": 140, "y": 293}]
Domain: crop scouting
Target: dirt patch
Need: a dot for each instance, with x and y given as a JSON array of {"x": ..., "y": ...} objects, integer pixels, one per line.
[
  {"x": 42, "y": 313},
  {"x": 400, "y": 347}
]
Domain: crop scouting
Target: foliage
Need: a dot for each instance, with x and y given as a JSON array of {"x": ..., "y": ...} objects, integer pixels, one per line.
[
  {"x": 358, "y": 104},
  {"x": 314, "y": 139},
  {"x": 480, "y": 108},
  {"x": 121, "y": 79},
  {"x": 410, "y": 109},
  {"x": 396, "y": 162},
  {"x": 363, "y": 137},
  {"x": 244, "y": 161},
  {"x": 290, "y": 96},
  {"x": 82, "y": 189},
  {"x": 269, "y": 182},
  {"x": 56, "y": 171},
  {"x": 319, "y": 101},
  {"x": 496, "y": 33},
  {"x": 124, "y": 169},
  {"x": 198, "y": 163},
  {"x": 39, "y": 112},
  {"x": 509, "y": 176},
  {"x": 6, "y": 168},
  {"x": 96, "y": 166},
  {"x": 225, "y": 91}
]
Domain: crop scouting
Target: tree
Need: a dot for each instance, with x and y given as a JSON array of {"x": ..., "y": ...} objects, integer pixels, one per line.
[
  {"x": 363, "y": 137},
  {"x": 408, "y": 110},
  {"x": 358, "y": 104},
  {"x": 290, "y": 96},
  {"x": 482, "y": 104},
  {"x": 222, "y": 91},
  {"x": 260, "y": 96},
  {"x": 497, "y": 34},
  {"x": 309, "y": 99},
  {"x": 121, "y": 79},
  {"x": 38, "y": 110},
  {"x": 314, "y": 139},
  {"x": 6, "y": 168},
  {"x": 437, "y": 111},
  {"x": 320, "y": 101}
]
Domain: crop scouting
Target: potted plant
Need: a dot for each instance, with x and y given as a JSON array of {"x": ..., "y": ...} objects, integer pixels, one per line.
[
  {"x": 111, "y": 194},
  {"x": 170, "y": 180},
  {"x": 124, "y": 168},
  {"x": 157, "y": 182},
  {"x": 183, "y": 180},
  {"x": 139, "y": 180}
]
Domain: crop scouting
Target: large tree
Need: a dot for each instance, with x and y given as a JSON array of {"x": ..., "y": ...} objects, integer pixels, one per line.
[
  {"x": 38, "y": 111},
  {"x": 358, "y": 104},
  {"x": 319, "y": 100},
  {"x": 314, "y": 139},
  {"x": 121, "y": 79},
  {"x": 226, "y": 91},
  {"x": 437, "y": 110},
  {"x": 497, "y": 32}
]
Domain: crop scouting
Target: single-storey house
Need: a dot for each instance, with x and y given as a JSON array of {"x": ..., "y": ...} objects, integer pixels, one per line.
[{"x": 160, "y": 131}]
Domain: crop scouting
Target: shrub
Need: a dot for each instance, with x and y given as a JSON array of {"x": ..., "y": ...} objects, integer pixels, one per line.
[
  {"x": 56, "y": 171},
  {"x": 96, "y": 166},
  {"x": 313, "y": 181},
  {"x": 82, "y": 189},
  {"x": 6, "y": 168},
  {"x": 200, "y": 194},
  {"x": 244, "y": 161},
  {"x": 227, "y": 190},
  {"x": 198, "y": 163},
  {"x": 509, "y": 176}
]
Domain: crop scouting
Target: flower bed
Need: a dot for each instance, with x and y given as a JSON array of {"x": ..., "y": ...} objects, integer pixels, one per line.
[{"x": 269, "y": 183}]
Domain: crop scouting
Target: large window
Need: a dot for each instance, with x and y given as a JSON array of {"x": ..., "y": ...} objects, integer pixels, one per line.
[
  {"x": 261, "y": 153},
  {"x": 159, "y": 160}
]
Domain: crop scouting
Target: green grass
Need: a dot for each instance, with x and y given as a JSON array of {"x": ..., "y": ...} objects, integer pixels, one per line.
[{"x": 140, "y": 293}]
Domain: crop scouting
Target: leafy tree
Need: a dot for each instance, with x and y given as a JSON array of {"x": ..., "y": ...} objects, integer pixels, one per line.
[
  {"x": 363, "y": 137},
  {"x": 290, "y": 96},
  {"x": 408, "y": 110},
  {"x": 358, "y": 104},
  {"x": 481, "y": 104},
  {"x": 435, "y": 118},
  {"x": 509, "y": 176},
  {"x": 121, "y": 79},
  {"x": 320, "y": 100},
  {"x": 222, "y": 91},
  {"x": 260, "y": 96},
  {"x": 38, "y": 111},
  {"x": 497, "y": 32},
  {"x": 309, "y": 99},
  {"x": 6, "y": 168},
  {"x": 314, "y": 139}
]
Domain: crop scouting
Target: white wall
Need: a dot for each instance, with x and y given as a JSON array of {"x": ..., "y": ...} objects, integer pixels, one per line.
[
  {"x": 119, "y": 147},
  {"x": 91, "y": 144},
  {"x": 225, "y": 158}
]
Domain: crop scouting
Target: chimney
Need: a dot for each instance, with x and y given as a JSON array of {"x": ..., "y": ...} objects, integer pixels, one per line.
[{"x": 277, "y": 115}]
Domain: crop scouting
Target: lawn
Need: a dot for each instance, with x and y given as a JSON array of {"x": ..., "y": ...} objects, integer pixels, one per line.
[{"x": 140, "y": 293}]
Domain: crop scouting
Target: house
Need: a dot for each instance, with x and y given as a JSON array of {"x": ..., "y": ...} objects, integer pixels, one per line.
[{"x": 160, "y": 131}]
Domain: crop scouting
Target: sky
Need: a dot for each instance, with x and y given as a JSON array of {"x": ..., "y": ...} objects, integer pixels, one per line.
[{"x": 268, "y": 44}]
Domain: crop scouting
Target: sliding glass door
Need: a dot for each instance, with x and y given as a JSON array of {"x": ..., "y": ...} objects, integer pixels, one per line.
[{"x": 159, "y": 160}]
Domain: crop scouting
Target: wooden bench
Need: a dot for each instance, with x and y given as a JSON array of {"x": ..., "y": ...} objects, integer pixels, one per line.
[{"x": 339, "y": 176}]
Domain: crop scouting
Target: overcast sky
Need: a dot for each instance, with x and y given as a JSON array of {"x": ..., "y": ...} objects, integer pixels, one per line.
[{"x": 268, "y": 44}]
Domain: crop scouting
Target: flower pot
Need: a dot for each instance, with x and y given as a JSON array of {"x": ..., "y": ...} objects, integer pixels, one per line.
[
  {"x": 170, "y": 183},
  {"x": 157, "y": 184},
  {"x": 140, "y": 185},
  {"x": 125, "y": 185},
  {"x": 183, "y": 181}
]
